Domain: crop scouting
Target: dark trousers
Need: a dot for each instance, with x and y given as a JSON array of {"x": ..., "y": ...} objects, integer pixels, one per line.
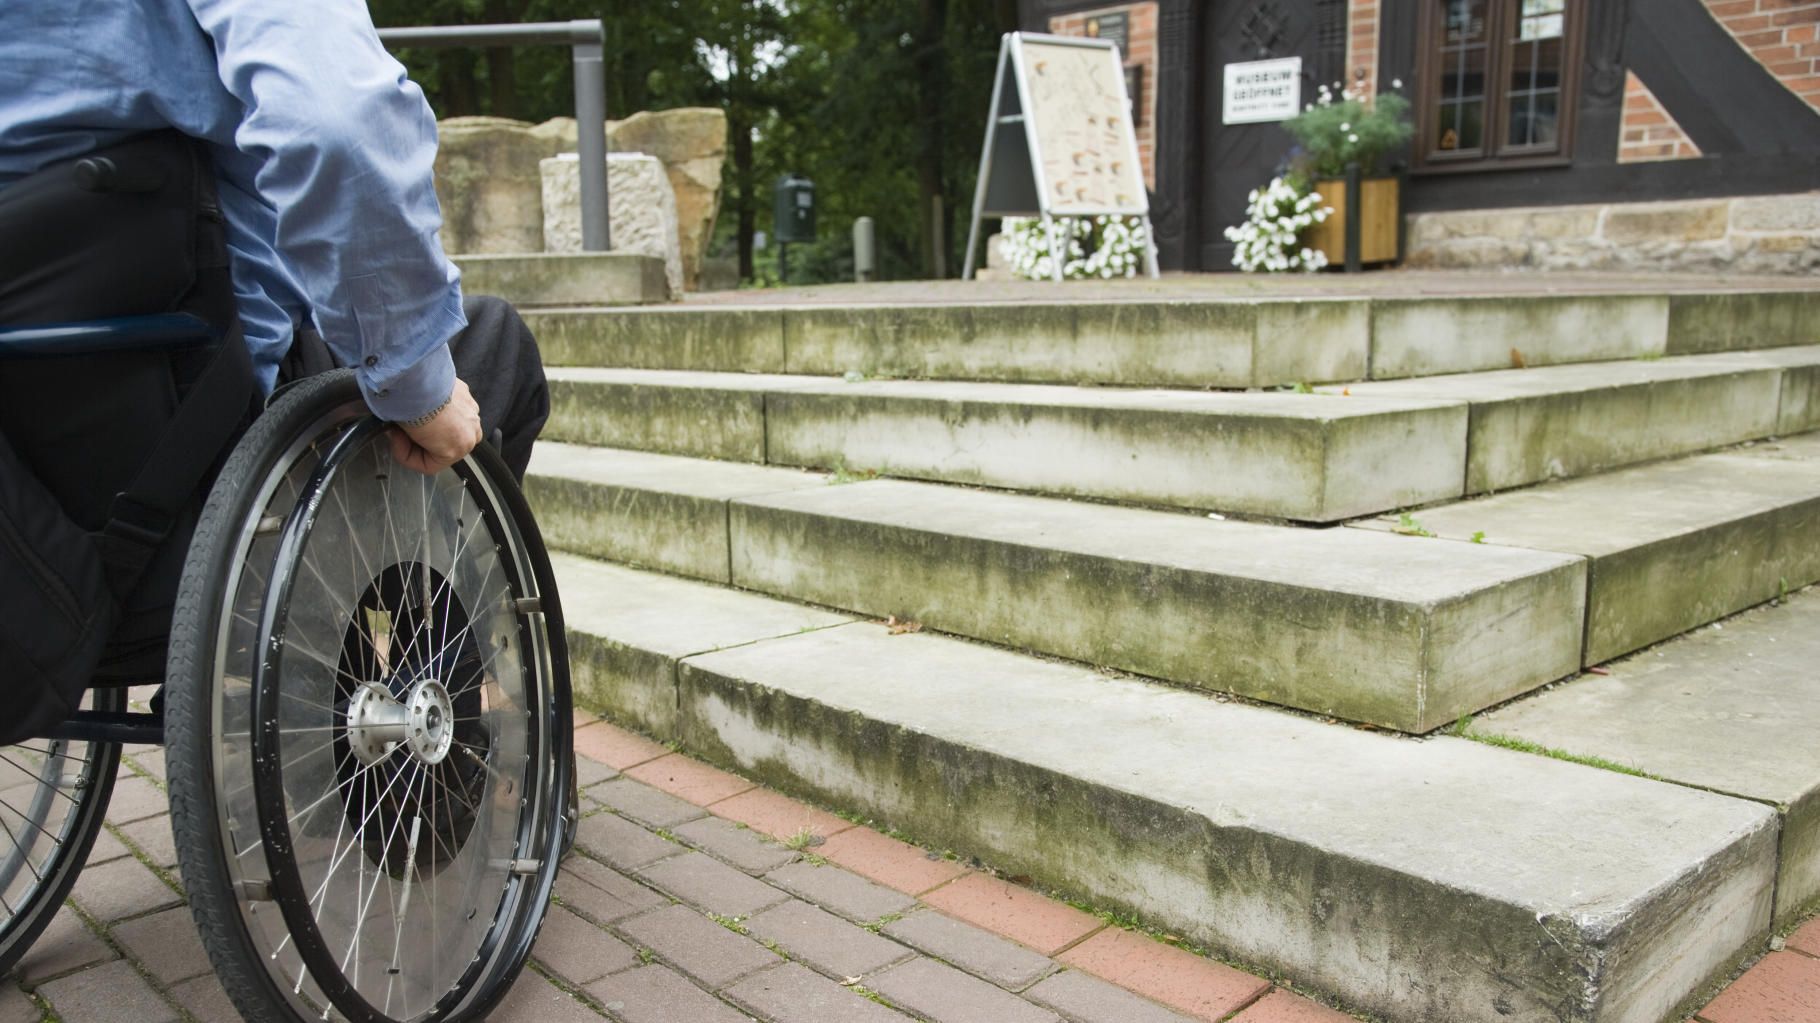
[{"x": 497, "y": 357}]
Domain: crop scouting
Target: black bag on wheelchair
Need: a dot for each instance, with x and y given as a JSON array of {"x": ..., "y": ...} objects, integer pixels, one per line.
[{"x": 104, "y": 455}]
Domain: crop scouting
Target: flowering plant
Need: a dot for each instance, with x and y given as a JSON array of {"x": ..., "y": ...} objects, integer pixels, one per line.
[
  {"x": 1092, "y": 247},
  {"x": 1275, "y": 219},
  {"x": 1343, "y": 126}
]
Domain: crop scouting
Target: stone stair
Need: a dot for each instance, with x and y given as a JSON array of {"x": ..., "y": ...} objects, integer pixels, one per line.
[{"x": 1075, "y": 720}]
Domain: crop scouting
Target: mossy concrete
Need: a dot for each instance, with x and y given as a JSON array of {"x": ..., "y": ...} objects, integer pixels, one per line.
[
  {"x": 563, "y": 279},
  {"x": 1372, "y": 628},
  {"x": 705, "y": 415},
  {"x": 1734, "y": 320},
  {"x": 724, "y": 340},
  {"x": 1670, "y": 546},
  {"x": 1437, "y": 881},
  {"x": 1732, "y": 710},
  {"x": 1413, "y": 337},
  {"x": 658, "y": 511},
  {"x": 1799, "y": 406},
  {"x": 1308, "y": 457},
  {"x": 1553, "y": 422},
  {"x": 628, "y": 629}
]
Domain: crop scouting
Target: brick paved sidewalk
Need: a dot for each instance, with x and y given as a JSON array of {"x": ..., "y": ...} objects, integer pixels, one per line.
[{"x": 697, "y": 897}]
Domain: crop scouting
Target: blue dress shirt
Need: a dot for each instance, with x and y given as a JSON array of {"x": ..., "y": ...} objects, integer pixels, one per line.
[{"x": 322, "y": 146}]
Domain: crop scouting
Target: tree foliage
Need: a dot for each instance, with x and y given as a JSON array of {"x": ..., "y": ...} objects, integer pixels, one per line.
[{"x": 882, "y": 103}]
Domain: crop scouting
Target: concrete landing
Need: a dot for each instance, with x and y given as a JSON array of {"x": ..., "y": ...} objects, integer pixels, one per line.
[
  {"x": 566, "y": 279},
  {"x": 1277, "y": 840},
  {"x": 1670, "y": 546},
  {"x": 1734, "y": 708}
]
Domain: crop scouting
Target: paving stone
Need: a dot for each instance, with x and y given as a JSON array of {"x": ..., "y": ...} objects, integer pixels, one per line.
[
  {"x": 654, "y": 994},
  {"x": 122, "y": 888},
  {"x": 1017, "y": 913},
  {"x": 615, "y": 747},
  {"x": 1807, "y": 938},
  {"x": 777, "y": 815},
  {"x": 710, "y": 885},
  {"x": 151, "y": 761},
  {"x": 1181, "y": 980},
  {"x": 697, "y": 945},
  {"x": 739, "y": 846},
  {"x": 689, "y": 779},
  {"x": 944, "y": 994},
  {"x": 578, "y": 951},
  {"x": 1087, "y": 999},
  {"x": 825, "y": 941},
  {"x": 621, "y": 843},
  {"x": 601, "y": 893},
  {"x": 888, "y": 861},
  {"x": 533, "y": 999},
  {"x": 166, "y": 944},
  {"x": 592, "y": 772},
  {"x": 135, "y": 798},
  {"x": 1282, "y": 1006},
  {"x": 795, "y": 994},
  {"x": 840, "y": 891},
  {"x": 107, "y": 847},
  {"x": 206, "y": 1000},
  {"x": 153, "y": 837},
  {"x": 977, "y": 951},
  {"x": 65, "y": 944},
  {"x": 107, "y": 994},
  {"x": 1781, "y": 988},
  {"x": 645, "y": 804},
  {"x": 15, "y": 1007}
]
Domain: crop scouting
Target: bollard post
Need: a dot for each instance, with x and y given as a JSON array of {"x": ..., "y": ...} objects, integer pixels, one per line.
[
  {"x": 865, "y": 250},
  {"x": 591, "y": 143}
]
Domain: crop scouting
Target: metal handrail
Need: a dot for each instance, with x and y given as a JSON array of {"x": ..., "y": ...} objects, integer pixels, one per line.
[{"x": 584, "y": 38}]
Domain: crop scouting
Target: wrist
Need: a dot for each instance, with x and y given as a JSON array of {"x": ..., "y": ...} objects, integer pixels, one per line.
[{"x": 427, "y": 417}]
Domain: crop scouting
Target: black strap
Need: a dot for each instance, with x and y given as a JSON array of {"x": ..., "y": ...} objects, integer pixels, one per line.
[{"x": 143, "y": 515}]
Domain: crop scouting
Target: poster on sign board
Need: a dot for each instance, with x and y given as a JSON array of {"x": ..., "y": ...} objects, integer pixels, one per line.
[
  {"x": 1060, "y": 141},
  {"x": 1258, "y": 91}
]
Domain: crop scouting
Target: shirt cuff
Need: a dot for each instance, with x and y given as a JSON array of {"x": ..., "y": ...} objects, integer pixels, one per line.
[{"x": 412, "y": 392}]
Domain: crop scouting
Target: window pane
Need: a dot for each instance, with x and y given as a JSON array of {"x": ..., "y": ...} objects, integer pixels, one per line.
[
  {"x": 1531, "y": 8},
  {"x": 1534, "y": 119},
  {"x": 1460, "y": 126},
  {"x": 1465, "y": 22},
  {"x": 1532, "y": 97},
  {"x": 1459, "y": 91}
]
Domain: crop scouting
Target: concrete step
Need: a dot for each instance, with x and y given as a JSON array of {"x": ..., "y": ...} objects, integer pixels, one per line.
[
  {"x": 1670, "y": 546},
  {"x": 1315, "y": 458},
  {"x": 538, "y": 279},
  {"x": 1529, "y": 425},
  {"x": 1347, "y": 622},
  {"x": 1733, "y": 709},
  {"x": 1431, "y": 880},
  {"x": 1235, "y": 342}
]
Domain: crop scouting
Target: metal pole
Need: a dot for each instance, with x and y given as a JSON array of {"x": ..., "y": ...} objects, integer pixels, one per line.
[
  {"x": 591, "y": 144},
  {"x": 865, "y": 250}
]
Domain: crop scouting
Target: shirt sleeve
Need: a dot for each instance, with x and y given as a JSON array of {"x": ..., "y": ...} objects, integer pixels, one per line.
[{"x": 345, "y": 145}]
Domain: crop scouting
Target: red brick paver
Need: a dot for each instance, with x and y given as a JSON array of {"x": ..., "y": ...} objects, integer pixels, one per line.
[
  {"x": 689, "y": 779},
  {"x": 1181, "y": 980},
  {"x": 1281, "y": 1006},
  {"x": 1806, "y": 938},
  {"x": 1782, "y": 988},
  {"x": 778, "y": 815},
  {"x": 1017, "y": 913},
  {"x": 890, "y": 862},
  {"x": 616, "y": 747}
]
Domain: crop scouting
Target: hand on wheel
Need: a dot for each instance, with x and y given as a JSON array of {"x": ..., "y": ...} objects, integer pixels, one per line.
[{"x": 444, "y": 440}]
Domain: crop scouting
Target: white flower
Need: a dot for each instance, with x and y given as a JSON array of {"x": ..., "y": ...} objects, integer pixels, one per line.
[
  {"x": 1353, "y": 137},
  {"x": 1345, "y": 125},
  {"x": 1396, "y": 83}
]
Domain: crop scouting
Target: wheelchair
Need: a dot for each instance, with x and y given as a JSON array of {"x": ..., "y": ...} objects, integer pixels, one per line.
[{"x": 365, "y": 706}]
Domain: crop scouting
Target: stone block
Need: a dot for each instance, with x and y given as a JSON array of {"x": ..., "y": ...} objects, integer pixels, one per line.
[
  {"x": 692, "y": 143},
  {"x": 1370, "y": 628},
  {"x": 655, "y": 994},
  {"x": 107, "y": 994},
  {"x": 1665, "y": 222},
  {"x": 1414, "y": 337},
  {"x": 711, "y": 886},
  {"x": 942, "y": 994},
  {"x": 713, "y": 955},
  {"x": 1276, "y": 839},
  {"x": 488, "y": 184},
  {"x": 567, "y": 279},
  {"x": 1733, "y": 320},
  {"x": 1730, "y": 710},
  {"x": 978, "y": 951},
  {"x": 1087, "y": 998},
  {"x": 825, "y": 941},
  {"x": 793, "y": 994},
  {"x": 641, "y": 209},
  {"x": 1797, "y": 212},
  {"x": 1529, "y": 425},
  {"x": 643, "y": 509},
  {"x": 1313, "y": 458},
  {"x": 840, "y": 891},
  {"x": 725, "y": 340},
  {"x": 1670, "y": 546}
]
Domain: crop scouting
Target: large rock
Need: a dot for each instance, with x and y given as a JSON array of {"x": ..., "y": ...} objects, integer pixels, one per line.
[
  {"x": 692, "y": 143},
  {"x": 640, "y": 207},
  {"x": 487, "y": 180}
]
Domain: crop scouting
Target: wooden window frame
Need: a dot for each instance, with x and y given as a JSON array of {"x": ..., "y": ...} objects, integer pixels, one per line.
[{"x": 1496, "y": 154}]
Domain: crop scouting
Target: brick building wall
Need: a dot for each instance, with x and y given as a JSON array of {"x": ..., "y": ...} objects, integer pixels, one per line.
[
  {"x": 1362, "y": 45},
  {"x": 1649, "y": 133},
  {"x": 1139, "y": 52},
  {"x": 1784, "y": 36}
]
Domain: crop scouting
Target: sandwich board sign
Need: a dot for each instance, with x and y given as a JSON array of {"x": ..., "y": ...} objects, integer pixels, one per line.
[{"x": 1060, "y": 141}]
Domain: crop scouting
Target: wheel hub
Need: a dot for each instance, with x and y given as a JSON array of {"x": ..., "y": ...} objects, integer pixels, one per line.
[{"x": 423, "y": 722}]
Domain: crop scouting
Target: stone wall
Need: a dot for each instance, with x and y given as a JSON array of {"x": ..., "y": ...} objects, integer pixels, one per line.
[
  {"x": 1756, "y": 234},
  {"x": 641, "y": 207}
]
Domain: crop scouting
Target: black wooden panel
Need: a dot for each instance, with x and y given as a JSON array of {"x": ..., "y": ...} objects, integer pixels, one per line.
[
  {"x": 1714, "y": 89},
  {"x": 1740, "y": 174}
]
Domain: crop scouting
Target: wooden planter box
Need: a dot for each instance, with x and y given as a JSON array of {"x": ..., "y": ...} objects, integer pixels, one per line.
[{"x": 1379, "y": 216}]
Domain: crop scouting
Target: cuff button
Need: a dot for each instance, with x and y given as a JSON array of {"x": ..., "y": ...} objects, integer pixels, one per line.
[{"x": 372, "y": 360}]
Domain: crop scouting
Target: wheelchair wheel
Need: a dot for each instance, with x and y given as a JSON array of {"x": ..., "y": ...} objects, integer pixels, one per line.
[
  {"x": 53, "y": 794},
  {"x": 368, "y": 723}
]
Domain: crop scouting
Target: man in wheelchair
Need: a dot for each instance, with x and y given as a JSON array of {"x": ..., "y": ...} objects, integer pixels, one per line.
[{"x": 220, "y": 279}]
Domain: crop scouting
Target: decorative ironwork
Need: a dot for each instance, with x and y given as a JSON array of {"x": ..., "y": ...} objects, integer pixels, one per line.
[{"x": 1264, "y": 28}]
